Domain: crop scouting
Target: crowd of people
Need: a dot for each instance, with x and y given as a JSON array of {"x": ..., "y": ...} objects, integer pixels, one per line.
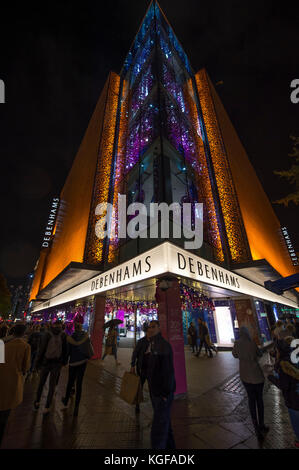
[
  {"x": 281, "y": 371},
  {"x": 45, "y": 349}
]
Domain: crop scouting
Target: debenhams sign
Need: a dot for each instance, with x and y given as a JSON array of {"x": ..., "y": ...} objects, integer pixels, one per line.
[
  {"x": 51, "y": 222},
  {"x": 166, "y": 258}
]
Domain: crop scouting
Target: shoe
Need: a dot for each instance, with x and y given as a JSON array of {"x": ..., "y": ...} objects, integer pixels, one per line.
[
  {"x": 36, "y": 405},
  {"x": 296, "y": 444},
  {"x": 264, "y": 429},
  {"x": 46, "y": 411}
]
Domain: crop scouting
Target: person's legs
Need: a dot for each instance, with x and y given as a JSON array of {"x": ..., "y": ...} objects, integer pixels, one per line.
[
  {"x": 251, "y": 392},
  {"x": 200, "y": 348},
  {"x": 294, "y": 418},
  {"x": 43, "y": 378},
  {"x": 260, "y": 403},
  {"x": 54, "y": 373},
  {"x": 32, "y": 365},
  {"x": 114, "y": 352},
  {"x": 70, "y": 384},
  {"x": 4, "y": 415},
  {"x": 161, "y": 432},
  {"x": 79, "y": 379},
  {"x": 142, "y": 382},
  {"x": 208, "y": 349},
  {"x": 58, "y": 377}
]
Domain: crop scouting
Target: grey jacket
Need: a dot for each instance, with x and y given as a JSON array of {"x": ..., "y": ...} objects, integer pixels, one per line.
[{"x": 248, "y": 354}]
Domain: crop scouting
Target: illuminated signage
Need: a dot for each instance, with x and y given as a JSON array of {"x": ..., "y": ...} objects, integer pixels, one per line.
[
  {"x": 163, "y": 259},
  {"x": 289, "y": 245},
  {"x": 51, "y": 222}
]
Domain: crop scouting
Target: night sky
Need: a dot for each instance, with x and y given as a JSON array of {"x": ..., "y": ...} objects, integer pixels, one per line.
[{"x": 55, "y": 58}]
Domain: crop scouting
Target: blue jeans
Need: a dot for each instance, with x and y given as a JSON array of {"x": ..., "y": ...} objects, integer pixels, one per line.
[
  {"x": 294, "y": 418},
  {"x": 161, "y": 432}
]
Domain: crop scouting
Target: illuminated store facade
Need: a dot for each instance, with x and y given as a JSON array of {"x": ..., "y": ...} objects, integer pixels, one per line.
[{"x": 159, "y": 133}]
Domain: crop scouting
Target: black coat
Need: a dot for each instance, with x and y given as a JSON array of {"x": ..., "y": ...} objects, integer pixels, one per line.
[
  {"x": 41, "y": 359},
  {"x": 288, "y": 382},
  {"x": 160, "y": 372},
  {"x": 138, "y": 355}
]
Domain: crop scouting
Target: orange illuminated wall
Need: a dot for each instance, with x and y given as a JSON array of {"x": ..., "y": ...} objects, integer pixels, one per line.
[
  {"x": 76, "y": 196},
  {"x": 38, "y": 273},
  {"x": 261, "y": 224}
]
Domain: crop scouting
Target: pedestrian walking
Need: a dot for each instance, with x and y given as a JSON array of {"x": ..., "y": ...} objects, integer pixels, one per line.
[
  {"x": 50, "y": 359},
  {"x": 286, "y": 377},
  {"x": 34, "y": 340},
  {"x": 161, "y": 381},
  {"x": 79, "y": 351},
  {"x": 111, "y": 344},
  {"x": 12, "y": 372},
  {"x": 3, "y": 330},
  {"x": 203, "y": 332},
  {"x": 209, "y": 341},
  {"x": 252, "y": 377},
  {"x": 139, "y": 360},
  {"x": 193, "y": 336}
]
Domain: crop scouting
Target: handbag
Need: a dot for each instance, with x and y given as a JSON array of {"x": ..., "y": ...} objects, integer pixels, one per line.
[{"x": 131, "y": 390}]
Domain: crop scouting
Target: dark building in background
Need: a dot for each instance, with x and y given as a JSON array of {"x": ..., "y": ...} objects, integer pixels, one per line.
[{"x": 20, "y": 295}]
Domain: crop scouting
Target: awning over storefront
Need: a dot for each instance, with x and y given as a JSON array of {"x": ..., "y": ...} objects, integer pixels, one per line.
[
  {"x": 260, "y": 271},
  {"x": 162, "y": 260},
  {"x": 74, "y": 274}
]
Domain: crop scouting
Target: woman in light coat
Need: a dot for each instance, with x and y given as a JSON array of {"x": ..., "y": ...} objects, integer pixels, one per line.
[
  {"x": 12, "y": 372},
  {"x": 252, "y": 377}
]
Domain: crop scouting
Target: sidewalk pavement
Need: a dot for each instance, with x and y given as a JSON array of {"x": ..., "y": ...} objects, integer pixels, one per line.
[{"x": 214, "y": 414}]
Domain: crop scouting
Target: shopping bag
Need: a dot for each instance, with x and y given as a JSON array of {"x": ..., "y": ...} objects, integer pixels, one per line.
[{"x": 130, "y": 388}]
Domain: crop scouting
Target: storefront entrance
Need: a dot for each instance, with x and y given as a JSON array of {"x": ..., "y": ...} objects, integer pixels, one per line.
[{"x": 224, "y": 328}]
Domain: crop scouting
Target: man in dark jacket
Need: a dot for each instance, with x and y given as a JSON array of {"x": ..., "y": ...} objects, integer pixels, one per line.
[
  {"x": 50, "y": 359},
  {"x": 79, "y": 350},
  {"x": 140, "y": 360},
  {"x": 161, "y": 381},
  {"x": 34, "y": 340}
]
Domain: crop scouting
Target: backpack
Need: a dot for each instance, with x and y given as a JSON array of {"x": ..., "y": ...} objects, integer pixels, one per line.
[{"x": 54, "y": 347}]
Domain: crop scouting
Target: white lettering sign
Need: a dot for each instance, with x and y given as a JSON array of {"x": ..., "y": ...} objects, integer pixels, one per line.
[
  {"x": 50, "y": 223},
  {"x": 2, "y": 92},
  {"x": 2, "y": 352},
  {"x": 164, "y": 259}
]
